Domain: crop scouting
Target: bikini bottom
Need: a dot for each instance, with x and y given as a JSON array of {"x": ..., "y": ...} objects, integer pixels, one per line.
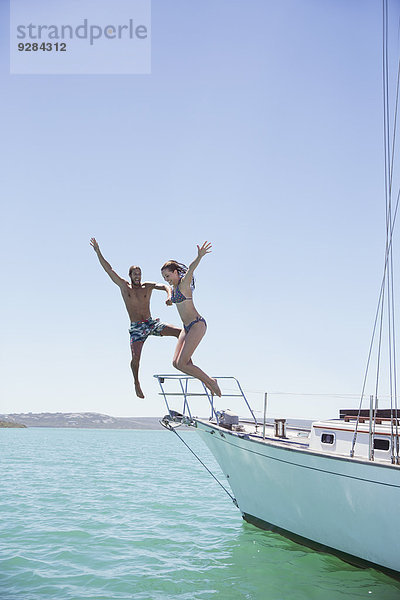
[{"x": 197, "y": 320}]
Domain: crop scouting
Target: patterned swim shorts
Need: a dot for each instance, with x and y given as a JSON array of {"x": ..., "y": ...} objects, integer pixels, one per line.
[{"x": 140, "y": 330}]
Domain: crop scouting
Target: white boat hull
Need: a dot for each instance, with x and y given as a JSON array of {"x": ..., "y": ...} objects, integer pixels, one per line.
[{"x": 345, "y": 504}]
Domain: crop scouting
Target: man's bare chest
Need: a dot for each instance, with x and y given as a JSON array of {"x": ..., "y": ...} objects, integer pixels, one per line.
[{"x": 137, "y": 297}]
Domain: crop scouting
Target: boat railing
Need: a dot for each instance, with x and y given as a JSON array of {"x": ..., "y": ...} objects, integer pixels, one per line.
[
  {"x": 377, "y": 420},
  {"x": 184, "y": 387}
]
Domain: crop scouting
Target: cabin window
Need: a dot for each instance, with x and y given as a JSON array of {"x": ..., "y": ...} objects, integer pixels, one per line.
[
  {"x": 327, "y": 438},
  {"x": 381, "y": 444}
]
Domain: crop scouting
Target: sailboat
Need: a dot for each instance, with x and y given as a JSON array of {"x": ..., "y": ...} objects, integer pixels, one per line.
[{"x": 335, "y": 484}]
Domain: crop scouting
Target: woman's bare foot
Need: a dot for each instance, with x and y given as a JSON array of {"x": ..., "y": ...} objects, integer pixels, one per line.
[
  {"x": 138, "y": 390},
  {"x": 215, "y": 389}
]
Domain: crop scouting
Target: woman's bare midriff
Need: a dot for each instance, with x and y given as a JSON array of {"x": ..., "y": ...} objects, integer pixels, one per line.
[{"x": 187, "y": 311}]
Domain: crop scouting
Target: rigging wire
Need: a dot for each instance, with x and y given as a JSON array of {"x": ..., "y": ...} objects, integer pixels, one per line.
[
  {"x": 388, "y": 187},
  {"x": 387, "y": 162},
  {"x": 388, "y": 275},
  {"x": 395, "y": 428},
  {"x": 201, "y": 462},
  {"x": 389, "y": 166},
  {"x": 378, "y": 309}
]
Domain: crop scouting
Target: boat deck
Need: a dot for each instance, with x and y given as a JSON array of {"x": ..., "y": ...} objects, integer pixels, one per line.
[{"x": 347, "y": 436}]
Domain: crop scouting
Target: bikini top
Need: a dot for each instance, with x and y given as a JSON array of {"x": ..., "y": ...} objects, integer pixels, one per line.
[{"x": 177, "y": 296}]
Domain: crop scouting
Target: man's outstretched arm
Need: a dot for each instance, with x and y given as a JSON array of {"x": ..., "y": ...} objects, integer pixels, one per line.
[
  {"x": 106, "y": 265},
  {"x": 166, "y": 288}
]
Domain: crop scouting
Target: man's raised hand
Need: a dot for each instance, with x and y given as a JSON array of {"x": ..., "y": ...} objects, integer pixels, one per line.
[{"x": 94, "y": 244}]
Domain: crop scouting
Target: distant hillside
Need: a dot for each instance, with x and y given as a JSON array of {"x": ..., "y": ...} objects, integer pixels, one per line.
[
  {"x": 78, "y": 420},
  {"x": 10, "y": 424}
]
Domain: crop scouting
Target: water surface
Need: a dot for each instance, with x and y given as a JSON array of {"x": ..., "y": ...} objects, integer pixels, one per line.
[{"x": 107, "y": 515}]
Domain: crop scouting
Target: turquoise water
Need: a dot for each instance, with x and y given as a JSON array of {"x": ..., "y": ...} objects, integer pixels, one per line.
[{"x": 104, "y": 515}]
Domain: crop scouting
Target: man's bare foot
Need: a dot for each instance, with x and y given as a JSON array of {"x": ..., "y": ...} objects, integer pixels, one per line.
[{"x": 138, "y": 390}]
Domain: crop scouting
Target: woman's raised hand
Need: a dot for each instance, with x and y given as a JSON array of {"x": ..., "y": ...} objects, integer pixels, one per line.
[{"x": 205, "y": 249}]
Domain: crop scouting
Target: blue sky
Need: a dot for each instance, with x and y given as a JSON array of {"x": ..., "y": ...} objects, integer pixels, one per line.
[{"x": 260, "y": 130}]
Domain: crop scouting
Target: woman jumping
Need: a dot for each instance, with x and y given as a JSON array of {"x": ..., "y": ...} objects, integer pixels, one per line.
[{"x": 180, "y": 278}]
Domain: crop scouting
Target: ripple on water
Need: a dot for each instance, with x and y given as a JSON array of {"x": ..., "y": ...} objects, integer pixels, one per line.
[{"x": 130, "y": 514}]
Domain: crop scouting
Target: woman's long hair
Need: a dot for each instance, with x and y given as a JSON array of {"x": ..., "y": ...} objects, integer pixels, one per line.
[{"x": 173, "y": 265}]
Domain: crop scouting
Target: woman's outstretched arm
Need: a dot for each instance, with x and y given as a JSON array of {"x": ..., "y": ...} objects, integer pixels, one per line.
[{"x": 205, "y": 249}]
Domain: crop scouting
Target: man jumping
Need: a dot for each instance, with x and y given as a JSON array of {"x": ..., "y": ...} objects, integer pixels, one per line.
[{"x": 136, "y": 296}]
